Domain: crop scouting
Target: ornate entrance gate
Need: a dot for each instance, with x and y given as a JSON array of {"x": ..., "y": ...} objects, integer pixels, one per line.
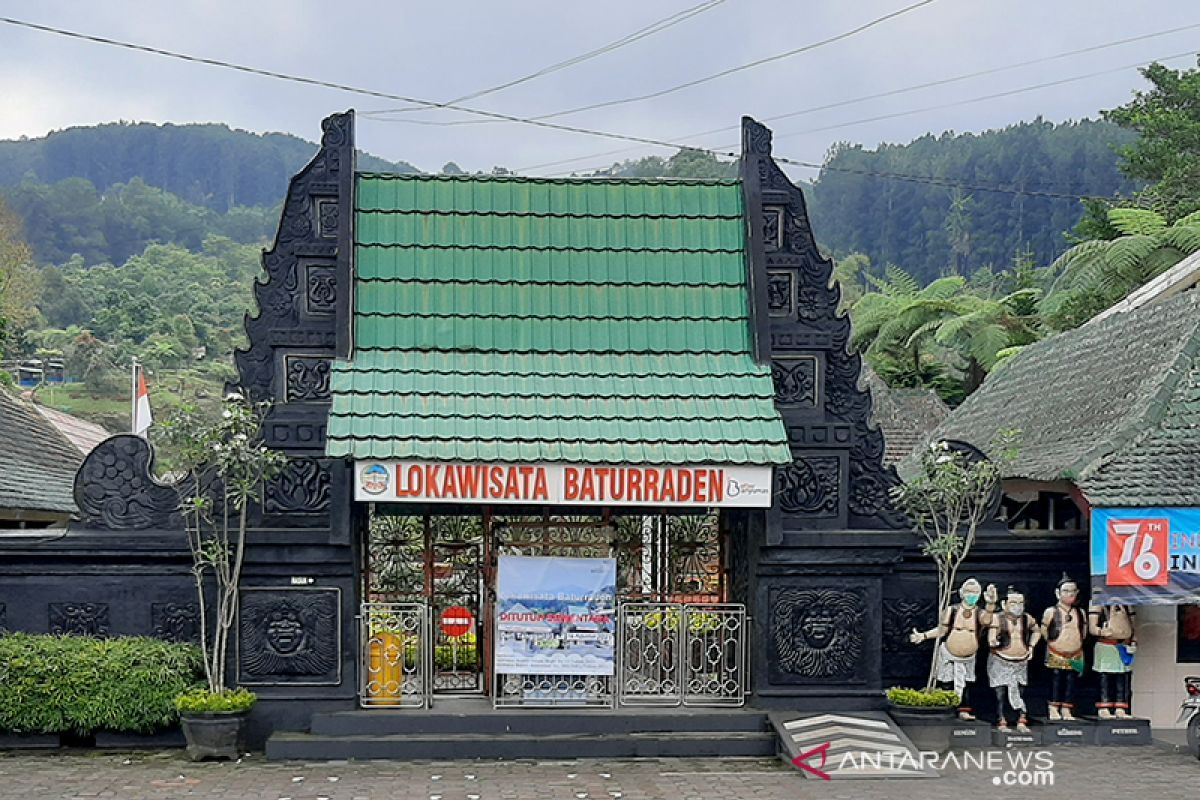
[
  {"x": 677, "y": 640},
  {"x": 438, "y": 562}
]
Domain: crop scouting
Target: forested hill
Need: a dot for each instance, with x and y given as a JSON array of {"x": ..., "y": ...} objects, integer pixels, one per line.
[
  {"x": 932, "y": 230},
  {"x": 207, "y": 165}
]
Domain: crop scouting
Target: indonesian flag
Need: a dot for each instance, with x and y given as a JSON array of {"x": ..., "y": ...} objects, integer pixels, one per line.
[{"x": 142, "y": 418}]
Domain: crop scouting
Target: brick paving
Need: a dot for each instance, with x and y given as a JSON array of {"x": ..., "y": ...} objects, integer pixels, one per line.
[{"x": 1147, "y": 773}]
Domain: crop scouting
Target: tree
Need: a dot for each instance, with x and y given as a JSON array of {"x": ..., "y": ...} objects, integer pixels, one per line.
[
  {"x": 225, "y": 467},
  {"x": 18, "y": 281},
  {"x": 949, "y": 498},
  {"x": 1167, "y": 152},
  {"x": 1095, "y": 274},
  {"x": 848, "y": 274}
]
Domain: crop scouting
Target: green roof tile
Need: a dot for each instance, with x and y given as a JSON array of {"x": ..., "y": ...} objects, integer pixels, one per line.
[{"x": 551, "y": 320}]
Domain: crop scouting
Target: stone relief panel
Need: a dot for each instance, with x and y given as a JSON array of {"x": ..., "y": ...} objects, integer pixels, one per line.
[
  {"x": 301, "y": 488},
  {"x": 79, "y": 619},
  {"x": 289, "y": 637},
  {"x": 781, "y": 293},
  {"x": 307, "y": 378},
  {"x": 816, "y": 634},
  {"x": 901, "y": 658},
  {"x": 810, "y": 486},
  {"x": 795, "y": 380},
  {"x": 115, "y": 488},
  {"x": 320, "y": 289},
  {"x": 175, "y": 622}
]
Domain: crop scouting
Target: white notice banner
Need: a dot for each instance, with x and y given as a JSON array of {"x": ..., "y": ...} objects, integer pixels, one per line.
[{"x": 702, "y": 486}]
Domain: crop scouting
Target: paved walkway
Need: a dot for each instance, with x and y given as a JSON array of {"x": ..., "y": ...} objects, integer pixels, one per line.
[{"x": 1148, "y": 773}]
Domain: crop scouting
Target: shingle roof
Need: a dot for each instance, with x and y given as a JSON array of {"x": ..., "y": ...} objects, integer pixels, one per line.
[
  {"x": 516, "y": 319},
  {"x": 81, "y": 433},
  {"x": 906, "y": 416},
  {"x": 1113, "y": 406},
  {"x": 37, "y": 463}
]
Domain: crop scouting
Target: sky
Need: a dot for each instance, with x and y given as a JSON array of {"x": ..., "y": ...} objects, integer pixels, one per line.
[{"x": 439, "y": 51}]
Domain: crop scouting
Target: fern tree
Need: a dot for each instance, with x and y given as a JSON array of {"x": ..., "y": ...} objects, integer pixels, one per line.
[{"x": 1093, "y": 275}]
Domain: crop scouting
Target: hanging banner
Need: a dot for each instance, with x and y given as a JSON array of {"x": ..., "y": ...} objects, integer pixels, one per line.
[
  {"x": 562, "y": 484},
  {"x": 555, "y": 616},
  {"x": 1146, "y": 555}
]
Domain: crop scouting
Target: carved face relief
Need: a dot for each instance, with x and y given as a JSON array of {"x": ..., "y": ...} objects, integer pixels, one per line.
[
  {"x": 817, "y": 632},
  {"x": 285, "y": 631},
  {"x": 288, "y": 636}
]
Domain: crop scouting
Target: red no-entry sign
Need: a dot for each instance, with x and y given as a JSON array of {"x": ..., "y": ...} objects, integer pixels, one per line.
[{"x": 456, "y": 621}]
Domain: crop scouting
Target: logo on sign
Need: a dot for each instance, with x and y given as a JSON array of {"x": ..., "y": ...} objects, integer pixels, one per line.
[
  {"x": 1137, "y": 552},
  {"x": 374, "y": 479}
]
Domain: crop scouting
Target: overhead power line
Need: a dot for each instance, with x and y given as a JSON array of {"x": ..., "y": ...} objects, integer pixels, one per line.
[
  {"x": 641, "y": 33},
  {"x": 497, "y": 115},
  {"x": 742, "y": 67},
  {"x": 699, "y": 81},
  {"x": 892, "y": 92}
]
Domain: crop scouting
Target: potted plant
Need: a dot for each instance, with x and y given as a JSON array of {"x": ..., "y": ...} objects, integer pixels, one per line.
[
  {"x": 922, "y": 703},
  {"x": 954, "y": 491},
  {"x": 224, "y": 467}
]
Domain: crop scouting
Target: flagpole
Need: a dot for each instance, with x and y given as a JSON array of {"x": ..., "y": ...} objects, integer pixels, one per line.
[{"x": 133, "y": 391}]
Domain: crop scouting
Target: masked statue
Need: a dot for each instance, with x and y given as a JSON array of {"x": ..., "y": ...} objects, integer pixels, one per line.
[
  {"x": 1065, "y": 628},
  {"x": 1011, "y": 638},
  {"x": 958, "y": 632},
  {"x": 1113, "y": 628}
]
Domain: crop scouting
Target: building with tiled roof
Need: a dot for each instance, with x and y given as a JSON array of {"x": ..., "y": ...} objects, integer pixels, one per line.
[
  {"x": 37, "y": 467},
  {"x": 1109, "y": 451},
  {"x": 81, "y": 433},
  {"x": 905, "y": 415}
]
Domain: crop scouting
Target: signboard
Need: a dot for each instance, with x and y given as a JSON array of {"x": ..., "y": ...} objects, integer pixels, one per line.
[
  {"x": 456, "y": 621},
  {"x": 701, "y": 486},
  {"x": 555, "y": 616},
  {"x": 1146, "y": 555}
]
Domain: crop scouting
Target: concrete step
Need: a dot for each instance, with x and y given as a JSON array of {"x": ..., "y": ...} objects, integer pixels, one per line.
[
  {"x": 313, "y": 747},
  {"x": 416, "y": 722}
]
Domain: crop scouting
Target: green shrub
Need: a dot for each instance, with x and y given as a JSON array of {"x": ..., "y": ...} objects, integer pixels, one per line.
[
  {"x": 943, "y": 698},
  {"x": 202, "y": 701},
  {"x": 61, "y": 684}
]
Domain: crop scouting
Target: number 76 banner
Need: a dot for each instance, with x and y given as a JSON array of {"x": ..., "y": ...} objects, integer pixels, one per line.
[{"x": 1145, "y": 555}]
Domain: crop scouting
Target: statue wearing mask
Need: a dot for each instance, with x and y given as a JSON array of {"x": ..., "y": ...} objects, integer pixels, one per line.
[
  {"x": 1113, "y": 627},
  {"x": 958, "y": 633},
  {"x": 1065, "y": 628},
  {"x": 1011, "y": 637}
]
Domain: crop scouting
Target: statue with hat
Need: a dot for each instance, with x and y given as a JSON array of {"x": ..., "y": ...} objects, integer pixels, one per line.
[{"x": 958, "y": 633}]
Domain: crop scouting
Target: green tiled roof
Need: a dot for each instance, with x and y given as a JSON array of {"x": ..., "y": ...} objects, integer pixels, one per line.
[
  {"x": 515, "y": 319},
  {"x": 1113, "y": 406}
]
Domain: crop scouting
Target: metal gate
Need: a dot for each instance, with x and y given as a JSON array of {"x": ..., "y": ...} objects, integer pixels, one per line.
[
  {"x": 395, "y": 655},
  {"x": 689, "y": 654}
]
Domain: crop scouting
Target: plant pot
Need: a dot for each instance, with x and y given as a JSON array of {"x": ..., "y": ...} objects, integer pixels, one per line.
[
  {"x": 930, "y": 713},
  {"x": 218, "y": 734}
]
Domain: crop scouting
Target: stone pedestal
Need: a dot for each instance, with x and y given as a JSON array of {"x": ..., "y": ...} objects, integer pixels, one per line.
[
  {"x": 1130, "y": 731},
  {"x": 970, "y": 735},
  {"x": 1013, "y": 738},
  {"x": 1080, "y": 731}
]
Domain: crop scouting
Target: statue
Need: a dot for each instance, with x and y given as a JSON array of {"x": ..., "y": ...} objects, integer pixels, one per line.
[
  {"x": 1065, "y": 628},
  {"x": 1113, "y": 627},
  {"x": 958, "y": 632},
  {"x": 1012, "y": 636}
]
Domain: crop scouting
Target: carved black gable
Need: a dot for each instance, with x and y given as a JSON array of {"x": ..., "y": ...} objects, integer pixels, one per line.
[
  {"x": 115, "y": 488},
  {"x": 303, "y": 321},
  {"x": 837, "y": 478}
]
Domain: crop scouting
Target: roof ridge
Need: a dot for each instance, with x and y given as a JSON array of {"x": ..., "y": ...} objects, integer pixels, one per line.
[
  {"x": 435, "y": 212},
  {"x": 539, "y": 179},
  {"x": 1153, "y": 411}
]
